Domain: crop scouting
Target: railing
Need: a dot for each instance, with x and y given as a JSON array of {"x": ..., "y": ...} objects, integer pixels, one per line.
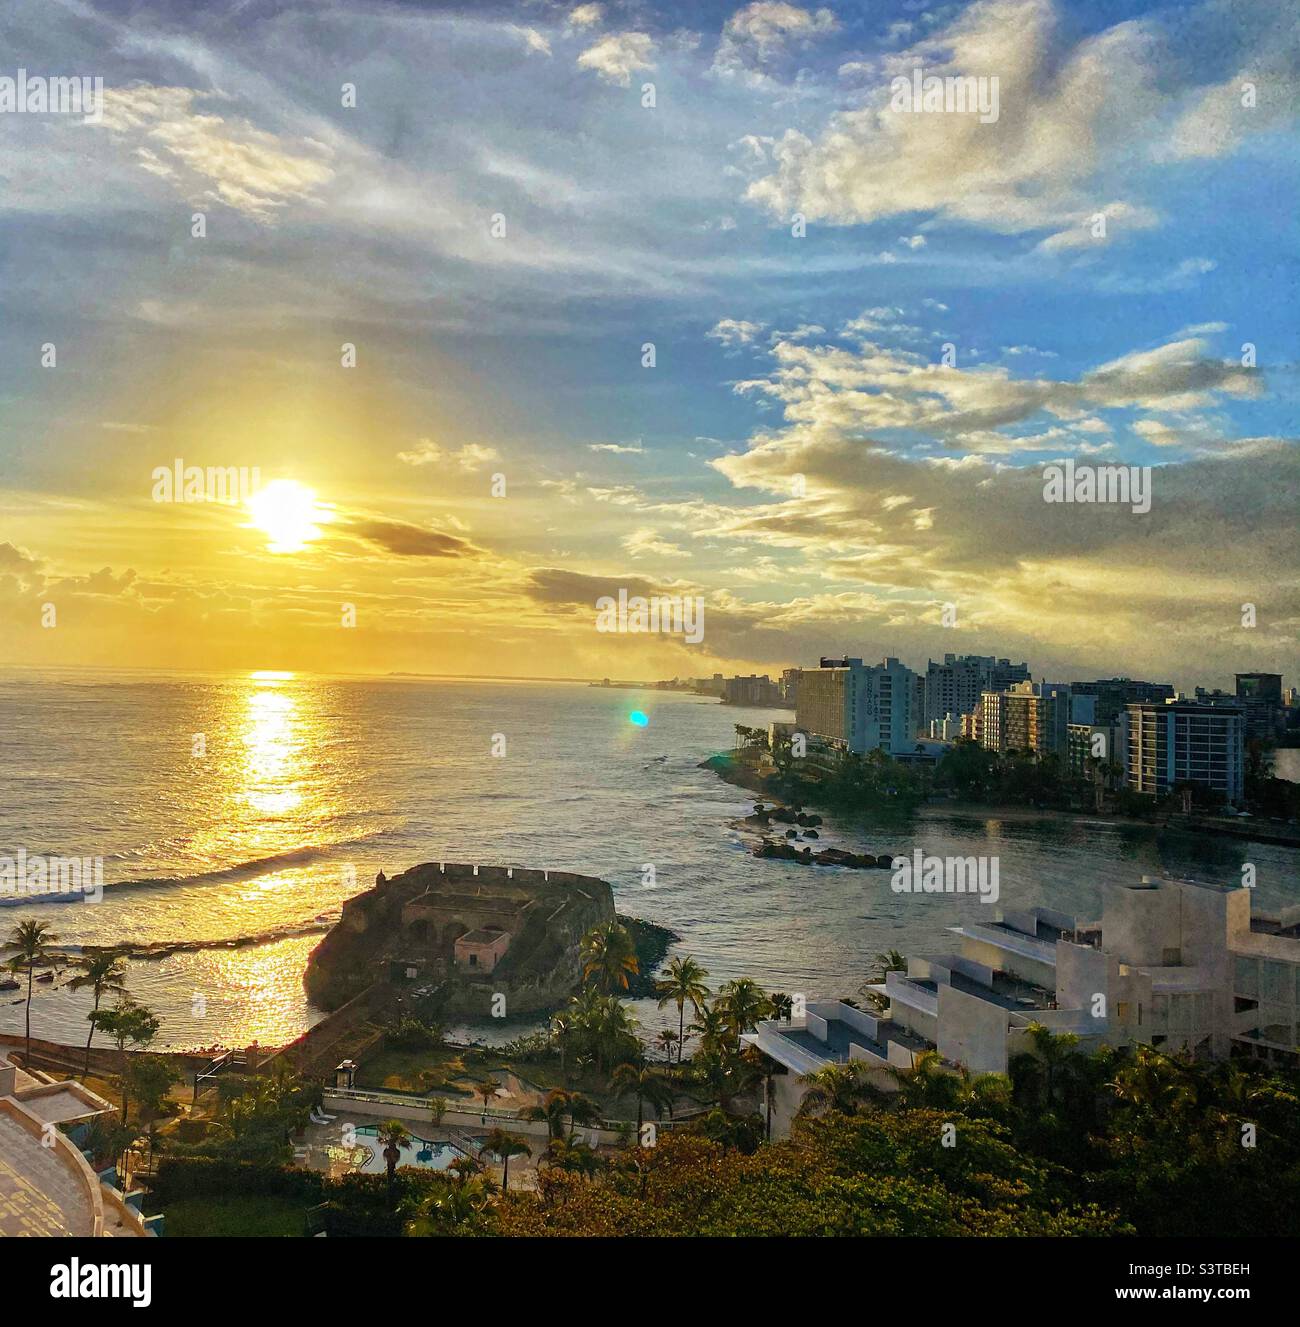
[{"x": 414, "y": 1102}]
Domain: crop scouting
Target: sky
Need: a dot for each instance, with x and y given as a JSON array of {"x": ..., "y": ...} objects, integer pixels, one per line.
[{"x": 872, "y": 330}]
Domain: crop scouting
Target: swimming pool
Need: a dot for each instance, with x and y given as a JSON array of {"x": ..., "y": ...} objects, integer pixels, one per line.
[{"x": 415, "y": 1152}]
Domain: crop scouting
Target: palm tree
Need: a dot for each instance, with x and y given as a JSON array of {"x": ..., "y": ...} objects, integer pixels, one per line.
[
  {"x": 559, "y": 1105},
  {"x": 437, "y": 1109},
  {"x": 105, "y": 974},
  {"x": 576, "y": 1158},
  {"x": 666, "y": 1040},
  {"x": 712, "y": 1025},
  {"x": 505, "y": 1145},
  {"x": 608, "y": 954},
  {"x": 927, "y": 1082},
  {"x": 782, "y": 1005},
  {"x": 648, "y": 1084},
  {"x": 1047, "y": 1062},
  {"x": 743, "y": 1003},
  {"x": 394, "y": 1136},
  {"x": 28, "y": 942},
  {"x": 836, "y": 1087},
  {"x": 487, "y": 1090},
  {"x": 683, "y": 982},
  {"x": 562, "y": 1034}
]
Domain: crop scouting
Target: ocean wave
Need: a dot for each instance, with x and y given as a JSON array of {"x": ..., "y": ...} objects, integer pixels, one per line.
[{"x": 219, "y": 875}]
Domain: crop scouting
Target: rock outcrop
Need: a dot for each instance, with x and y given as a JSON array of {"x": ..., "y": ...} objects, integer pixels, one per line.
[{"x": 404, "y": 931}]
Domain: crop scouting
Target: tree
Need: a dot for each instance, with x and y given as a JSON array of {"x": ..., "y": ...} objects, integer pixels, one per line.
[
  {"x": 104, "y": 973},
  {"x": 393, "y": 1136},
  {"x": 437, "y": 1109},
  {"x": 505, "y": 1145},
  {"x": 885, "y": 962},
  {"x": 562, "y": 1035},
  {"x": 151, "y": 1079},
  {"x": 743, "y": 1003},
  {"x": 844, "y": 1087},
  {"x": 667, "y": 1040},
  {"x": 608, "y": 955},
  {"x": 782, "y": 1005},
  {"x": 559, "y": 1105},
  {"x": 28, "y": 941},
  {"x": 573, "y": 1157},
  {"x": 487, "y": 1090},
  {"x": 712, "y": 1026},
  {"x": 129, "y": 1024},
  {"x": 648, "y": 1084},
  {"x": 927, "y": 1083}
]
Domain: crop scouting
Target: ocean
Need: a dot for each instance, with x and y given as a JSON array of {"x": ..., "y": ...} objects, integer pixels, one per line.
[{"x": 235, "y": 814}]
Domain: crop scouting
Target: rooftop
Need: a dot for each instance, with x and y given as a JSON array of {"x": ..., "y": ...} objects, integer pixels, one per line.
[{"x": 481, "y": 937}]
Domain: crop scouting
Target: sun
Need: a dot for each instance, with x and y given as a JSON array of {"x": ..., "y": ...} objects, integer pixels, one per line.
[{"x": 288, "y": 514}]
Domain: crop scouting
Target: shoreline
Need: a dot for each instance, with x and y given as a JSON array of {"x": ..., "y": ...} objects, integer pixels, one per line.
[{"x": 740, "y": 775}]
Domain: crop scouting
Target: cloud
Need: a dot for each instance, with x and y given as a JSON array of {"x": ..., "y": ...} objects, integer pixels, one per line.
[
  {"x": 586, "y": 16},
  {"x": 472, "y": 456},
  {"x": 534, "y": 40},
  {"x": 646, "y": 541},
  {"x": 616, "y": 57},
  {"x": 618, "y": 448},
  {"x": 734, "y": 331},
  {"x": 407, "y": 540},
  {"x": 829, "y": 391},
  {"x": 761, "y": 34},
  {"x": 1096, "y": 230},
  {"x": 209, "y": 157},
  {"x": 1073, "y": 110}
]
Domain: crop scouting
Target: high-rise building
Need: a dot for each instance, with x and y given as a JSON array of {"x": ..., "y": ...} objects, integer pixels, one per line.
[
  {"x": 1260, "y": 695},
  {"x": 751, "y": 690},
  {"x": 1028, "y": 716},
  {"x": 1114, "y": 693},
  {"x": 859, "y": 707},
  {"x": 790, "y": 685},
  {"x": 1185, "y": 742},
  {"x": 954, "y": 686}
]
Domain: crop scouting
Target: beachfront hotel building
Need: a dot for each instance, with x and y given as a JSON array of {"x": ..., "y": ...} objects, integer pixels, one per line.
[
  {"x": 953, "y": 688},
  {"x": 1027, "y": 717},
  {"x": 47, "y": 1184},
  {"x": 860, "y": 707},
  {"x": 1174, "y": 964},
  {"x": 1184, "y": 742}
]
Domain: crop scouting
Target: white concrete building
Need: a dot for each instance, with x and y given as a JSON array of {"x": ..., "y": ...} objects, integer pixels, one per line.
[
  {"x": 860, "y": 707},
  {"x": 47, "y": 1186},
  {"x": 1176, "y": 964}
]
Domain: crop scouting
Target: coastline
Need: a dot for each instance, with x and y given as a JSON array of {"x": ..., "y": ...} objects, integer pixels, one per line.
[{"x": 742, "y": 775}]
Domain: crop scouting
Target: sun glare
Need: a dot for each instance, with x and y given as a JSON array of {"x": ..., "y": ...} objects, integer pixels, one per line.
[{"x": 288, "y": 514}]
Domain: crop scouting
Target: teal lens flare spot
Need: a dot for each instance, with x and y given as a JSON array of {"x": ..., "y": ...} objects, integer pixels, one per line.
[{"x": 639, "y": 718}]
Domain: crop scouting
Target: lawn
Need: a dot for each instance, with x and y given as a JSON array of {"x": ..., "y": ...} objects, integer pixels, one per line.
[{"x": 252, "y": 1214}]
